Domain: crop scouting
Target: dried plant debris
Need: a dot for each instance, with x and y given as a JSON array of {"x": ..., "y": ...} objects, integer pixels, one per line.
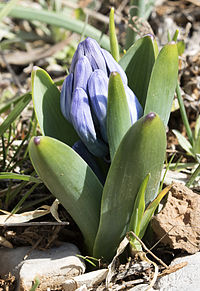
[
  {"x": 177, "y": 225},
  {"x": 8, "y": 283}
]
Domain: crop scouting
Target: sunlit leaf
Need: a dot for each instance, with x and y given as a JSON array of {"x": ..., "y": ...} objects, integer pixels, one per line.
[
  {"x": 71, "y": 181},
  {"x": 46, "y": 100}
]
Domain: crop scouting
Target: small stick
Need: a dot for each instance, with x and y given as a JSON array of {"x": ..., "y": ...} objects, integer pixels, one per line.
[{"x": 146, "y": 249}]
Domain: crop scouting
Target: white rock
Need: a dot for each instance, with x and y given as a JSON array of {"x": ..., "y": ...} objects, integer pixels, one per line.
[
  {"x": 88, "y": 280},
  {"x": 185, "y": 279},
  {"x": 52, "y": 267}
]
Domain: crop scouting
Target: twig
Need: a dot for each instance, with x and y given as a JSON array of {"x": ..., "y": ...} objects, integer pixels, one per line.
[{"x": 146, "y": 249}]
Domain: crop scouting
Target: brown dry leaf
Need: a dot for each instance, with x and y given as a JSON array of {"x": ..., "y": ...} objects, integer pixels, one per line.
[
  {"x": 173, "y": 269},
  {"x": 54, "y": 210},
  {"x": 111, "y": 267},
  {"x": 23, "y": 217},
  {"x": 5, "y": 243},
  {"x": 25, "y": 58}
]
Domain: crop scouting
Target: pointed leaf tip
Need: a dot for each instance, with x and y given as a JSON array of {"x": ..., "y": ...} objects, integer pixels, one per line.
[
  {"x": 36, "y": 140},
  {"x": 150, "y": 116},
  {"x": 35, "y": 68}
]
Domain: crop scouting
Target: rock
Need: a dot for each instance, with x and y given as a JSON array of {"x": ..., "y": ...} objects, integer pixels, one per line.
[
  {"x": 185, "y": 279},
  {"x": 52, "y": 267},
  {"x": 87, "y": 280},
  {"x": 177, "y": 224}
]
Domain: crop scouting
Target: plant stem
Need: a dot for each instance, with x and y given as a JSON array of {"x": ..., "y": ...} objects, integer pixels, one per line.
[
  {"x": 183, "y": 114},
  {"x": 138, "y": 10},
  {"x": 193, "y": 176}
]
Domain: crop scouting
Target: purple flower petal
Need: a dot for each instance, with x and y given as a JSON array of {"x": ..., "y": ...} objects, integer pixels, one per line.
[
  {"x": 113, "y": 66},
  {"x": 82, "y": 121},
  {"x": 135, "y": 108},
  {"x": 66, "y": 96},
  {"x": 77, "y": 55},
  {"x": 82, "y": 73},
  {"x": 92, "y": 51},
  {"x": 98, "y": 92}
]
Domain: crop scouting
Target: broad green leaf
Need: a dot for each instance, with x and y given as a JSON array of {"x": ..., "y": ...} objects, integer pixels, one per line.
[
  {"x": 19, "y": 107},
  {"x": 60, "y": 20},
  {"x": 114, "y": 48},
  {"x": 6, "y": 175},
  {"x": 118, "y": 116},
  {"x": 184, "y": 143},
  {"x": 70, "y": 180},
  {"x": 141, "y": 151},
  {"x": 149, "y": 212},
  {"x": 163, "y": 82},
  {"x": 46, "y": 100},
  {"x": 138, "y": 63},
  {"x": 139, "y": 207}
]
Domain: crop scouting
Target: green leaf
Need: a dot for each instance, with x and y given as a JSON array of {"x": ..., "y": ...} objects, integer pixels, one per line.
[
  {"x": 149, "y": 212},
  {"x": 184, "y": 143},
  {"x": 113, "y": 38},
  {"x": 118, "y": 115},
  {"x": 19, "y": 107},
  {"x": 197, "y": 128},
  {"x": 141, "y": 151},
  {"x": 6, "y": 175},
  {"x": 46, "y": 100},
  {"x": 60, "y": 20},
  {"x": 7, "y": 8},
  {"x": 138, "y": 63},
  {"x": 70, "y": 180},
  {"x": 163, "y": 82},
  {"x": 139, "y": 207}
]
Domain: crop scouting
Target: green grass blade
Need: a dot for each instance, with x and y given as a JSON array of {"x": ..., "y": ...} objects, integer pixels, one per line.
[
  {"x": 184, "y": 143},
  {"x": 151, "y": 209},
  {"x": 19, "y": 107},
  {"x": 7, "y": 8},
  {"x": 141, "y": 151},
  {"x": 60, "y": 20},
  {"x": 46, "y": 101},
  {"x": 118, "y": 116},
  {"x": 113, "y": 38},
  {"x": 71, "y": 181},
  {"x": 139, "y": 207},
  {"x": 6, "y": 175},
  {"x": 163, "y": 82},
  {"x": 184, "y": 114},
  {"x": 138, "y": 63}
]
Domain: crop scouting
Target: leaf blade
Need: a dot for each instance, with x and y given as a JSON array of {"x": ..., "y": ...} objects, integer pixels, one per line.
[
  {"x": 46, "y": 101},
  {"x": 138, "y": 63},
  {"x": 118, "y": 116},
  {"x": 134, "y": 159},
  {"x": 71, "y": 181},
  {"x": 162, "y": 83}
]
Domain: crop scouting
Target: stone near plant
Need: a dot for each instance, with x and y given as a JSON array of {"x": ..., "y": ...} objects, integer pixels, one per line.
[
  {"x": 52, "y": 267},
  {"x": 177, "y": 224},
  {"x": 185, "y": 279},
  {"x": 87, "y": 280}
]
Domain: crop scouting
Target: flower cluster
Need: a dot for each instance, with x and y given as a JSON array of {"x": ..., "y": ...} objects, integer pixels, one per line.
[{"x": 84, "y": 95}]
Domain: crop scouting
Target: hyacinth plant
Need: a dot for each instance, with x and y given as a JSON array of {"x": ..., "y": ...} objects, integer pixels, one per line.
[{"x": 102, "y": 149}]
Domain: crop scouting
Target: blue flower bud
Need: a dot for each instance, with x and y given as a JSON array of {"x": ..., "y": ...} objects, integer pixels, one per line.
[
  {"x": 98, "y": 91},
  {"x": 85, "y": 91},
  {"x": 83, "y": 123}
]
